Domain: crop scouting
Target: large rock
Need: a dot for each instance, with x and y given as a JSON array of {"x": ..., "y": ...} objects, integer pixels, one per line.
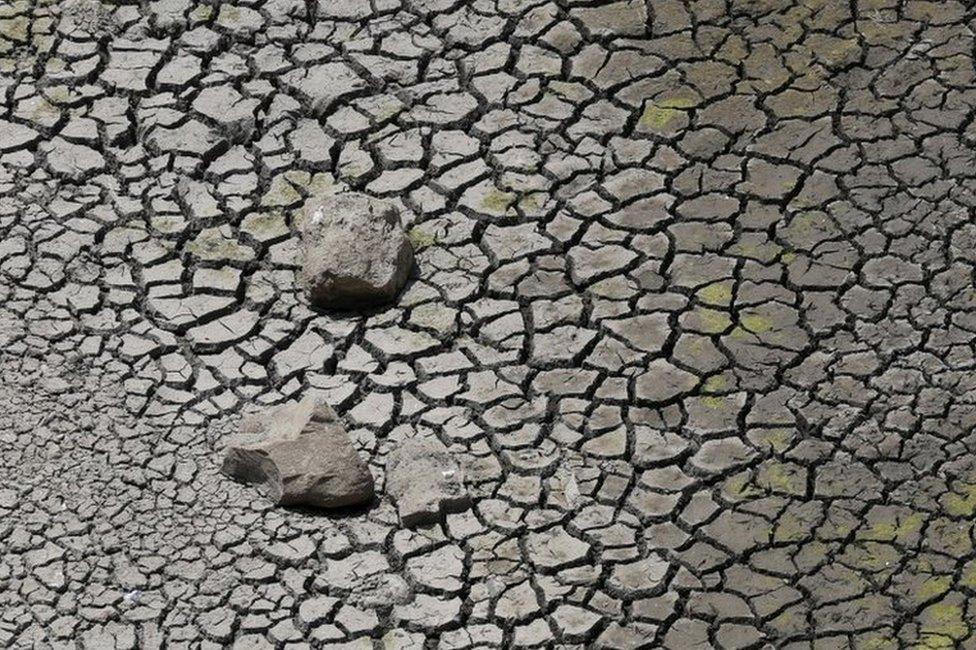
[
  {"x": 299, "y": 454},
  {"x": 355, "y": 253},
  {"x": 424, "y": 481}
]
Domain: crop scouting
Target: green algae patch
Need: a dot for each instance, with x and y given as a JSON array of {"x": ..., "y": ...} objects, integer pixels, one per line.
[
  {"x": 709, "y": 321},
  {"x": 756, "y": 323},
  {"x": 877, "y": 642},
  {"x": 713, "y": 402},
  {"x": 942, "y": 624},
  {"x": 201, "y": 13},
  {"x": 896, "y": 529},
  {"x": 421, "y": 239},
  {"x": 790, "y": 528},
  {"x": 961, "y": 502},
  {"x": 531, "y": 202},
  {"x": 872, "y": 557},
  {"x": 776, "y": 440},
  {"x": 660, "y": 115},
  {"x": 281, "y": 193},
  {"x": 496, "y": 201},
  {"x": 740, "y": 487},
  {"x": 782, "y": 478},
  {"x": 718, "y": 293},
  {"x": 932, "y": 587},
  {"x": 715, "y": 384},
  {"x": 968, "y": 576}
]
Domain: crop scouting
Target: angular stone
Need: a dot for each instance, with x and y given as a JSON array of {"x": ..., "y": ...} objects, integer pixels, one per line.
[
  {"x": 355, "y": 252},
  {"x": 304, "y": 457},
  {"x": 424, "y": 481}
]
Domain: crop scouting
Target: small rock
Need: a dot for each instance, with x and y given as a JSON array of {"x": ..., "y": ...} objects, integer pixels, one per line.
[
  {"x": 355, "y": 252},
  {"x": 424, "y": 481},
  {"x": 304, "y": 458}
]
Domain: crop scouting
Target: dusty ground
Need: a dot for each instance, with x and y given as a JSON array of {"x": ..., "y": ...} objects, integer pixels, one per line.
[{"x": 694, "y": 304}]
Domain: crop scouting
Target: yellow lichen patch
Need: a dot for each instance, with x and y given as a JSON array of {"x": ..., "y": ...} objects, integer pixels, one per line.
[
  {"x": 790, "y": 528},
  {"x": 58, "y": 94},
  {"x": 713, "y": 402},
  {"x": 801, "y": 224},
  {"x": 659, "y": 114},
  {"x": 709, "y": 321},
  {"x": 941, "y": 624},
  {"x": 281, "y": 193},
  {"x": 420, "y": 238},
  {"x": 777, "y": 440},
  {"x": 717, "y": 293},
  {"x": 876, "y": 642},
  {"x": 739, "y": 487},
  {"x": 201, "y": 13},
  {"x": 496, "y": 201},
  {"x": 932, "y": 587},
  {"x": 782, "y": 478},
  {"x": 531, "y": 202},
  {"x": 756, "y": 323},
  {"x": 715, "y": 384},
  {"x": 229, "y": 15},
  {"x": 764, "y": 252},
  {"x": 43, "y": 111},
  {"x": 872, "y": 556},
  {"x": 788, "y": 257},
  {"x": 961, "y": 502},
  {"x": 968, "y": 576},
  {"x": 298, "y": 177},
  {"x": 897, "y": 529}
]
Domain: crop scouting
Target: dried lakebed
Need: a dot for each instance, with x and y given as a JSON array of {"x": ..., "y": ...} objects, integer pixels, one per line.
[{"x": 693, "y": 308}]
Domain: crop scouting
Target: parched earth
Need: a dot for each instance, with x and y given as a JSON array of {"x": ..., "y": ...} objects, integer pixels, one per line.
[{"x": 694, "y": 307}]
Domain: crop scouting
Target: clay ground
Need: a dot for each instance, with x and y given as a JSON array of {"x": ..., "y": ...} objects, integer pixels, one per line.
[{"x": 694, "y": 305}]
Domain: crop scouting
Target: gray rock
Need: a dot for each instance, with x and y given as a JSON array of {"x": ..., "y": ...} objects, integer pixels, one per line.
[
  {"x": 355, "y": 253},
  {"x": 299, "y": 454},
  {"x": 424, "y": 481}
]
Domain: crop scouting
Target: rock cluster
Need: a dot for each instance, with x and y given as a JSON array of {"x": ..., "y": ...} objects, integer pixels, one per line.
[{"x": 300, "y": 454}]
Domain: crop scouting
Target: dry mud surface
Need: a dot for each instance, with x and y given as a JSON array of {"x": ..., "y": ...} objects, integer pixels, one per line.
[{"x": 694, "y": 307}]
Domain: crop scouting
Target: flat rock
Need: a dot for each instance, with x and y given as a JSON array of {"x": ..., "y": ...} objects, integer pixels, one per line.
[
  {"x": 425, "y": 481},
  {"x": 355, "y": 253},
  {"x": 299, "y": 454}
]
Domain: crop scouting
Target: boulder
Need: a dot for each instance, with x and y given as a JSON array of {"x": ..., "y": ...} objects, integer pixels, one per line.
[
  {"x": 299, "y": 454},
  {"x": 355, "y": 252},
  {"x": 424, "y": 481}
]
